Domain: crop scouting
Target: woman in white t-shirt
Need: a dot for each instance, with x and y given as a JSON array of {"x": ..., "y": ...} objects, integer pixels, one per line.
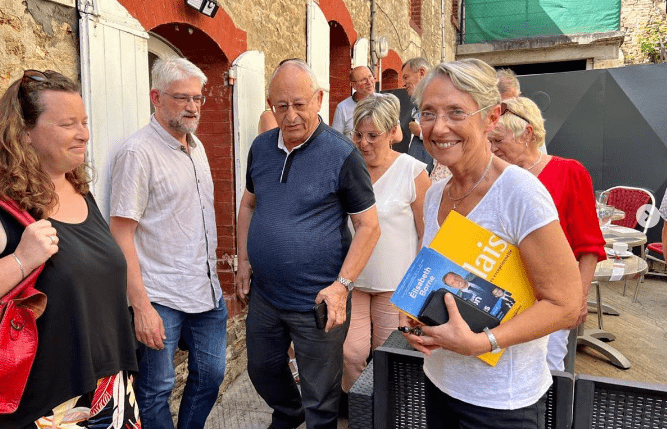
[
  {"x": 399, "y": 182},
  {"x": 459, "y": 105}
]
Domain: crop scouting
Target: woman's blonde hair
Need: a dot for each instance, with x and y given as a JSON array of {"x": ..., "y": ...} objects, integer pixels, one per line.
[
  {"x": 470, "y": 75},
  {"x": 22, "y": 178},
  {"x": 521, "y": 112},
  {"x": 383, "y": 109}
]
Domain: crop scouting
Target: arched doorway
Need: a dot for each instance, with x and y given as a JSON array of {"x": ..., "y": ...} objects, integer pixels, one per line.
[
  {"x": 339, "y": 67},
  {"x": 389, "y": 79},
  {"x": 391, "y": 67}
]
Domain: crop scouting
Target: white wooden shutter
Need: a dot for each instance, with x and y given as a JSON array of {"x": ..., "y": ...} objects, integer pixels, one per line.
[
  {"x": 360, "y": 53},
  {"x": 317, "y": 52},
  {"x": 114, "y": 81},
  {"x": 248, "y": 69}
]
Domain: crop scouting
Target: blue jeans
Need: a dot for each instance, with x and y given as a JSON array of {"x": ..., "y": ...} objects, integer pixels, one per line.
[
  {"x": 204, "y": 335},
  {"x": 319, "y": 356}
]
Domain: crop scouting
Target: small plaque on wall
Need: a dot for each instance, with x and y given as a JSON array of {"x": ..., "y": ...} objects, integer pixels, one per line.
[{"x": 70, "y": 3}]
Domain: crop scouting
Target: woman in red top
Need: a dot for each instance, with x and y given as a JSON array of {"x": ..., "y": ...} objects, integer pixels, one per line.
[{"x": 516, "y": 139}]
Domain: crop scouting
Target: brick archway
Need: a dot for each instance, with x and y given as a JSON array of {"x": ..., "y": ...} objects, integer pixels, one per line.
[
  {"x": 390, "y": 79},
  {"x": 231, "y": 40},
  {"x": 211, "y": 44},
  {"x": 339, "y": 66},
  {"x": 336, "y": 10},
  {"x": 391, "y": 67}
]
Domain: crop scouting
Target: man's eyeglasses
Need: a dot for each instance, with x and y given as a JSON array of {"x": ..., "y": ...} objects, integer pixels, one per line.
[
  {"x": 185, "y": 99},
  {"x": 505, "y": 109},
  {"x": 451, "y": 116},
  {"x": 370, "y": 137},
  {"x": 298, "y": 105}
]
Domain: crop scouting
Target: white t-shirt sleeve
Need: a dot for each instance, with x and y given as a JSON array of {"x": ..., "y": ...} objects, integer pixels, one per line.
[
  {"x": 338, "y": 123},
  {"x": 528, "y": 205},
  {"x": 416, "y": 167}
]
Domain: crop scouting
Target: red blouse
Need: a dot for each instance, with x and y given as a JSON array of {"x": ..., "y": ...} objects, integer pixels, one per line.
[{"x": 571, "y": 188}]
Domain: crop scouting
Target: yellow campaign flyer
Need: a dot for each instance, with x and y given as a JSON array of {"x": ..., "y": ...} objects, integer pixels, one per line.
[{"x": 489, "y": 257}]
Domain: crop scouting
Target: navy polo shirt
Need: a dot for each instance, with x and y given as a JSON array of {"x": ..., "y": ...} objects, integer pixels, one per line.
[{"x": 298, "y": 235}]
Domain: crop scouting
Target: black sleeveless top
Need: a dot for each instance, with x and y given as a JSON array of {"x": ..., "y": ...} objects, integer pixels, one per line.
[{"x": 85, "y": 333}]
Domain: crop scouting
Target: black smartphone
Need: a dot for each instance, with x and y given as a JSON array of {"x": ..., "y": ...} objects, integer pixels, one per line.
[
  {"x": 321, "y": 315},
  {"x": 434, "y": 312}
]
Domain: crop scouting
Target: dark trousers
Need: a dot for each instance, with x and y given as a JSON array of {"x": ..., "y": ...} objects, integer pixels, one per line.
[
  {"x": 445, "y": 412},
  {"x": 319, "y": 356}
]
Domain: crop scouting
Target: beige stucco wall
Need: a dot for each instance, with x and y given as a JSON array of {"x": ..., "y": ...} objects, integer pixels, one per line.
[
  {"x": 37, "y": 34},
  {"x": 635, "y": 15},
  {"x": 278, "y": 27}
]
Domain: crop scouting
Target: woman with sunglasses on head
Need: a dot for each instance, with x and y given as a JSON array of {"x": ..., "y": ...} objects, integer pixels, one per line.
[
  {"x": 516, "y": 139},
  {"x": 80, "y": 376},
  {"x": 459, "y": 104},
  {"x": 399, "y": 182}
]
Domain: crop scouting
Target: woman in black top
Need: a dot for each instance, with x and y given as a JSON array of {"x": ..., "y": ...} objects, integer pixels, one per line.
[{"x": 81, "y": 374}]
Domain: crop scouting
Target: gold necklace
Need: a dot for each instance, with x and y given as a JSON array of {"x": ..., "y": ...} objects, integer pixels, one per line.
[{"x": 457, "y": 201}]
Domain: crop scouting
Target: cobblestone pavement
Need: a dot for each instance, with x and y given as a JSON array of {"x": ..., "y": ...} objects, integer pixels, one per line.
[{"x": 240, "y": 407}]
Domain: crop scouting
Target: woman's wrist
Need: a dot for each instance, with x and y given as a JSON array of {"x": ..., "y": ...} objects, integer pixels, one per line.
[{"x": 20, "y": 264}]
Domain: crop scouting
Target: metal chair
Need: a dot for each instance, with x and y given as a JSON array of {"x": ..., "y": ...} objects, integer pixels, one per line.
[
  {"x": 655, "y": 248},
  {"x": 602, "y": 403},
  {"x": 629, "y": 199}
]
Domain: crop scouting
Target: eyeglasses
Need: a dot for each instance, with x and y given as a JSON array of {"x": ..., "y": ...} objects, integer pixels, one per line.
[
  {"x": 298, "y": 105},
  {"x": 185, "y": 99},
  {"x": 34, "y": 75},
  {"x": 29, "y": 76},
  {"x": 451, "y": 116},
  {"x": 505, "y": 109},
  {"x": 370, "y": 137}
]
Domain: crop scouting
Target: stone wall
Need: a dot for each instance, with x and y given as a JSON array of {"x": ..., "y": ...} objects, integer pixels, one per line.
[
  {"x": 278, "y": 28},
  {"x": 37, "y": 34},
  {"x": 635, "y": 15}
]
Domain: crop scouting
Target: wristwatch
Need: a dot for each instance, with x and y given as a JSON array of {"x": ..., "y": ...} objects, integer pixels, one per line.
[
  {"x": 495, "y": 348},
  {"x": 349, "y": 284}
]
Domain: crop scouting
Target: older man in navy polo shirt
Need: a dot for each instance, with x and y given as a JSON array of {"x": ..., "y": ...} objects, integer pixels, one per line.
[{"x": 303, "y": 181}]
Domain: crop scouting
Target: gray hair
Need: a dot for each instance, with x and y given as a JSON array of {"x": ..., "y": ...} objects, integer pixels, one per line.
[
  {"x": 314, "y": 85},
  {"x": 470, "y": 75},
  {"x": 416, "y": 64},
  {"x": 383, "y": 109},
  {"x": 507, "y": 81},
  {"x": 171, "y": 69},
  {"x": 530, "y": 113}
]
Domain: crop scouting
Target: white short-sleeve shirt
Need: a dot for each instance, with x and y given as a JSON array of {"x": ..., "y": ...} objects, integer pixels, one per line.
[
  {"x": 515, "y": 205},
  {"x": 170, "y": 194}
]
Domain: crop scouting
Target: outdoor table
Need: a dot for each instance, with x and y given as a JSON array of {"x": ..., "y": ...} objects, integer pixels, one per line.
[
  {"x": 619, "y": 269},
  {"x": 618, "y": 215},
  {"x": 620, "y": 234}
]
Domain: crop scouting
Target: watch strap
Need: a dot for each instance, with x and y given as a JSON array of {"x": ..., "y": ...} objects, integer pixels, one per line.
[{"x": 349, "y": 284}]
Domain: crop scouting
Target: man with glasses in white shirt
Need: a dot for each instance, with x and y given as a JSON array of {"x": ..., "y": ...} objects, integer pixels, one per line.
[
  {"x": 163, "y": 218},
  {"x": 363, "y": 83}
]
